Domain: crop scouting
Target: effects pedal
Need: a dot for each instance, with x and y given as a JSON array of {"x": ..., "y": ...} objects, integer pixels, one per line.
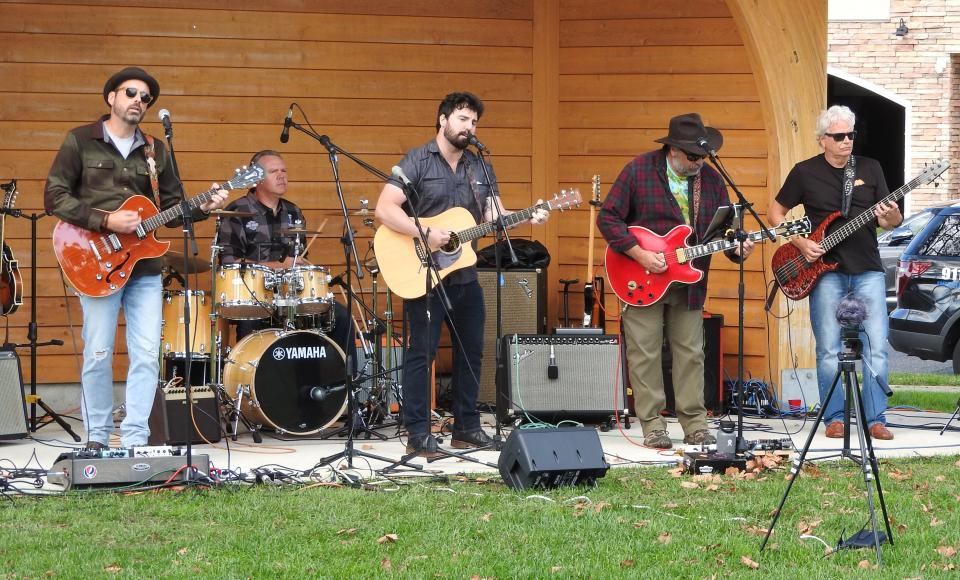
[{"x": 700, "y": 463}]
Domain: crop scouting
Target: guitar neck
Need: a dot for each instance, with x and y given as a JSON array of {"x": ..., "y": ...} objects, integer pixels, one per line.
[
  {"x": 486, "y": 228},
  {"x": 176, "y": 211},
  {"x": 686, "y": 254},
  {"x": 861, "y": 220}
]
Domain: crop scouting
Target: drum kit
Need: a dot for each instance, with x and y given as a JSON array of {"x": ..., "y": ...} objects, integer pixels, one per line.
[{"x": 290, "y": 379}]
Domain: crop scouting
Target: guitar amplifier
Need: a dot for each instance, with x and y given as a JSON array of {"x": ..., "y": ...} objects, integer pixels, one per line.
[
  {"x": 170, "y": 421},
  {"x": 524, "y": 299},
  {"x": 13, "y": 409},
  {"x": 553, "y": 377}
]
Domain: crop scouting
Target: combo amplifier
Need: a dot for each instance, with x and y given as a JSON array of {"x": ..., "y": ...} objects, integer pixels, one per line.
[
  {"x": 551, "y": 377},
  {"x": 13, "y": 408},
  {"x": 120, "y": 467},
  {"x": 170, "y": 421},
  {"x": 523, "y": 294}
]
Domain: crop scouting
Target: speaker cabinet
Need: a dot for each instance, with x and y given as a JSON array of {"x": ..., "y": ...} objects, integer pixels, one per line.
[
  {"x": 555, "y": 377},
  {"x": 170, "y": 421},
  {"x": 524, "y": 298},
  {"x": 712, "y": 367},
  {"x": 553, "y": 457},
  {"x": 13, "y": 407}
]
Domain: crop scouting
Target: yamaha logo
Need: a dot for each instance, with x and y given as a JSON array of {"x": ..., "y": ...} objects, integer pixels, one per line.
[{"x": 299, "y": 352}]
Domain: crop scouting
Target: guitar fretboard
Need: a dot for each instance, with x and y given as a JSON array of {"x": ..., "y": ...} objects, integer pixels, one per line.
[
  {"x": 486, "y": 228},
  {"x": 686, "y": 254}
]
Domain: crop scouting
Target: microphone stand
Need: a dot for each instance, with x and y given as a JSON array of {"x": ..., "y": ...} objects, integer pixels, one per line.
[
  {"x": 189, "y": 249},
  {"x": 739, "y": 236},
  {"x": 350, "y": 255}
]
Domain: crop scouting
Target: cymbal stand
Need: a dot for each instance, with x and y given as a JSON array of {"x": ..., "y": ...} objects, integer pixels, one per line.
[
  {"x": 230, "y": 407},
  {"x": 382, "y": 382}
]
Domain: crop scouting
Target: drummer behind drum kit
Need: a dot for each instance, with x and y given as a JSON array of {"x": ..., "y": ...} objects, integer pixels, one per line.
[{"x": 289, "y": 379}]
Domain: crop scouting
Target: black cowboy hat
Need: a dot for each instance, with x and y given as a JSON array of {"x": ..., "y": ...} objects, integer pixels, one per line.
[
  {"x": 687, "y": 131},
  {"x": 132, "y": 72}
]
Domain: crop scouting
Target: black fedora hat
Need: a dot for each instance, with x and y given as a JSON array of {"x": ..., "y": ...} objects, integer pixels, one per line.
[
  {"x": 132, "y": 72},
  {"x": 687, "y": 131}
]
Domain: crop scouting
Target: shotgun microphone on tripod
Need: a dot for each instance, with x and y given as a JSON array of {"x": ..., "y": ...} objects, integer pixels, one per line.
[{"x": 285, "y": 134}]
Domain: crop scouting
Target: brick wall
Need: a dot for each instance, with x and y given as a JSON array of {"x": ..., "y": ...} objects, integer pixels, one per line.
[{"x": 906, "y": 67}]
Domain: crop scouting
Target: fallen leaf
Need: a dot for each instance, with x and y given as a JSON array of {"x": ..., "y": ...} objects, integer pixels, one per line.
[
  {"x": 671, "y": 505},
  {"x": 713, "y": 487},
  {"x": 805, "y": 527},
  {"x": 641, "y": 524},
  {"x": 733, "y": 471},
  {"x": 367, "y": 446},
  {"x": 935, "y": 522},
  {"x": 627, "y": 563},
  {"x": 754, "y": 530},
  {"x": 677, "y": 471},
  {"x": 746, "y": 561},
  {"x": 387, "y": 538},
  {"x": 863, "y": 565},
  {"x": 486, "y": 517},
  {"x": 689, "y": 485},
  {"x": 386, "y": 564},
  {"x": 947, "y": 551},
  {"x": 600, "y": 506},
  {"x": 182, "y": 551},
  {"x": 898, "y": 475},
  {"x": 113, "y": 568},
  {"x": 940, "y": 478},
  {"x": 664, "y": 538},
  {"x": 901, "y": 528},
  {"x": 555, "y": 569}
]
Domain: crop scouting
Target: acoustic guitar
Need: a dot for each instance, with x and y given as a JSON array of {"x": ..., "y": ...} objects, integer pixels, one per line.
[{"x": 11, "y": 283}]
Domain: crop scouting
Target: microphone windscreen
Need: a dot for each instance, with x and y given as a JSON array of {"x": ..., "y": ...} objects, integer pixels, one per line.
[{"x": 852, "y": 310}]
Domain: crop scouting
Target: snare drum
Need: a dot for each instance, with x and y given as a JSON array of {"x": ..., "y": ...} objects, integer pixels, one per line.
[
  {"x": 173, "y": 335},
  {"x": 293, "y": 382},
  {"x": 245, "y": 291},
  {"x": 307, "y": 288}
]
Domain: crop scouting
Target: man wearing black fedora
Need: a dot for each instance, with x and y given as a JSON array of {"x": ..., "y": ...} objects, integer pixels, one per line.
[
  {"x": 660, "y": 190},
  {"x": 98, "y": 167}
]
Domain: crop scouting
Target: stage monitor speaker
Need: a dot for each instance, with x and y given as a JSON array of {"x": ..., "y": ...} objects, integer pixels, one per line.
[
  {"x": 712, "y": 367},
  {"x": 524, "y": 297},
  {"x": 13, "y": 407},
  {"x": 170, "y": 422},
  {"x": 552, "y": 377},
  {"x": 552, "y": 457}
]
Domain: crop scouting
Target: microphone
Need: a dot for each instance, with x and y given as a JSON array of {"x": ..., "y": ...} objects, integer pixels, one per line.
[
  {"x": 165, "y": 119},
  {"x": 702, "y": 142},
  {"x": 321, "y": 394},
  {"x": 472, "y": 140},
  {"x": 285, "y": 134},
  {"x": 399, "y": 174},
  {"x": 552, "y": 370}
]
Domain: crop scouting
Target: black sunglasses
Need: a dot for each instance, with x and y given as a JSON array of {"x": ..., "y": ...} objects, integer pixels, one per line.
[
  {"x": 694, "y": 157},
  {"x": 839, "y": 137},
  {"x": 131, "y": 92}
]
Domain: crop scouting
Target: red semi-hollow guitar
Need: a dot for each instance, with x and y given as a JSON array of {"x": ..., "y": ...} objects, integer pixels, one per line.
[
  {"x": 99, "y": 263},
  {"x": 797, "y": 277},
  {"x": 636, "y": 286}
]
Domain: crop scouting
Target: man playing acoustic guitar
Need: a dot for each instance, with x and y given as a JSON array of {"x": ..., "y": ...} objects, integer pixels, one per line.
[
  {"x": 446, "y": 176},
  {"x": 660, "y": 190},
  {"x": 819, "y": 184},
  {"x": 98, "y": 167}
]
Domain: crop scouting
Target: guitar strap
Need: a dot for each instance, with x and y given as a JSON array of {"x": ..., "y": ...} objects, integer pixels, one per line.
[
  {"x": 695, "y": 206},
  {"x": 472, "y": 178},
  {"x": 151, "y": 153},
  {"x": 849, "y": 175}
]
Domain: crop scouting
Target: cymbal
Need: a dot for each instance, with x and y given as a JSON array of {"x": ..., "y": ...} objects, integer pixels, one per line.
[
  {"x": 231, "y": 213},
  {"x": 297, "y": 231},
  {"x": 173, "y": 260}
]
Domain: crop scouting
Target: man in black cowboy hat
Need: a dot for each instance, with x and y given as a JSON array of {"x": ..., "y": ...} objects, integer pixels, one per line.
[
  {"x": 660, "y": 190},
  {"x": 98, "y": 167}
]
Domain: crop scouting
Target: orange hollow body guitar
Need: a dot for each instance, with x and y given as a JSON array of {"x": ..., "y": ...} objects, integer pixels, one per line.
[
  {"x": 98, "y": 264},
  {"x": 633, "y": 284}
]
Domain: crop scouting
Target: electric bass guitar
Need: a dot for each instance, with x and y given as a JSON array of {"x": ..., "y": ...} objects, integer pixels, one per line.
[
  {"x": 797, "y": 277},
  {"x": 11, "y": 284},
  {"x": 634, "y": 285},
  {"x": 403, "y": 259},
  {"x": 98, "y": 264},
  {"x": 589, "y": 291}
]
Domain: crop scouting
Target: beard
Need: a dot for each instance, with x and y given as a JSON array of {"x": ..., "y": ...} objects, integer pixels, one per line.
[
  {"x": 456, "y": 139},
  {"x": 129, "y": 115}
]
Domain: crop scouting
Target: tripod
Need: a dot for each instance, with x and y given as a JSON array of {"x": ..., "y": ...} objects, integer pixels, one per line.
[
  {"x": 952, "y": 417},
  {"x": 847, "y": 371}
]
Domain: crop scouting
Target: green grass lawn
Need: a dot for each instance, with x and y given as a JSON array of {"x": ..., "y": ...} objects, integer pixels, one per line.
[{"x": 638, "y": 523}]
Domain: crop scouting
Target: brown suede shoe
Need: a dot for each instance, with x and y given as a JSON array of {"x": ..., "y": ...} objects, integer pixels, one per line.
[
  {"x": 835, "y": 430},
  {"x": 880, "y": 431}
]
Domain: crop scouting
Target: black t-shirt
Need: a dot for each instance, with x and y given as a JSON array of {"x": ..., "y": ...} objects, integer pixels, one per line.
[{"x": 819, "y": 187}]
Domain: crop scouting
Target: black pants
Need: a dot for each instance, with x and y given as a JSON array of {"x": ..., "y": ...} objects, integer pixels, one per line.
[{"x": 467, "y": 318}]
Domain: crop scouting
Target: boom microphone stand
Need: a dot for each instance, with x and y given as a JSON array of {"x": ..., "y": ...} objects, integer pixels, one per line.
[
  {"x": 739, "y": 236},
  {"x": 350, "y": 256}
]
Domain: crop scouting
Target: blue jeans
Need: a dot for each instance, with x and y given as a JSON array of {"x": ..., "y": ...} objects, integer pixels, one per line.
[
  {"x": 467, "y": 317},
  {"x": 828, "y": 292},
  {"x": 142, "y": 300}
]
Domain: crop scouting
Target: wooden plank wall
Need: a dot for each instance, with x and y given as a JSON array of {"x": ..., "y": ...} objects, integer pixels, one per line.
[
  {"x": 572, "y": 88},
  {"x": 625, "y": 69},
  {"x": 368, "y": 73}
]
